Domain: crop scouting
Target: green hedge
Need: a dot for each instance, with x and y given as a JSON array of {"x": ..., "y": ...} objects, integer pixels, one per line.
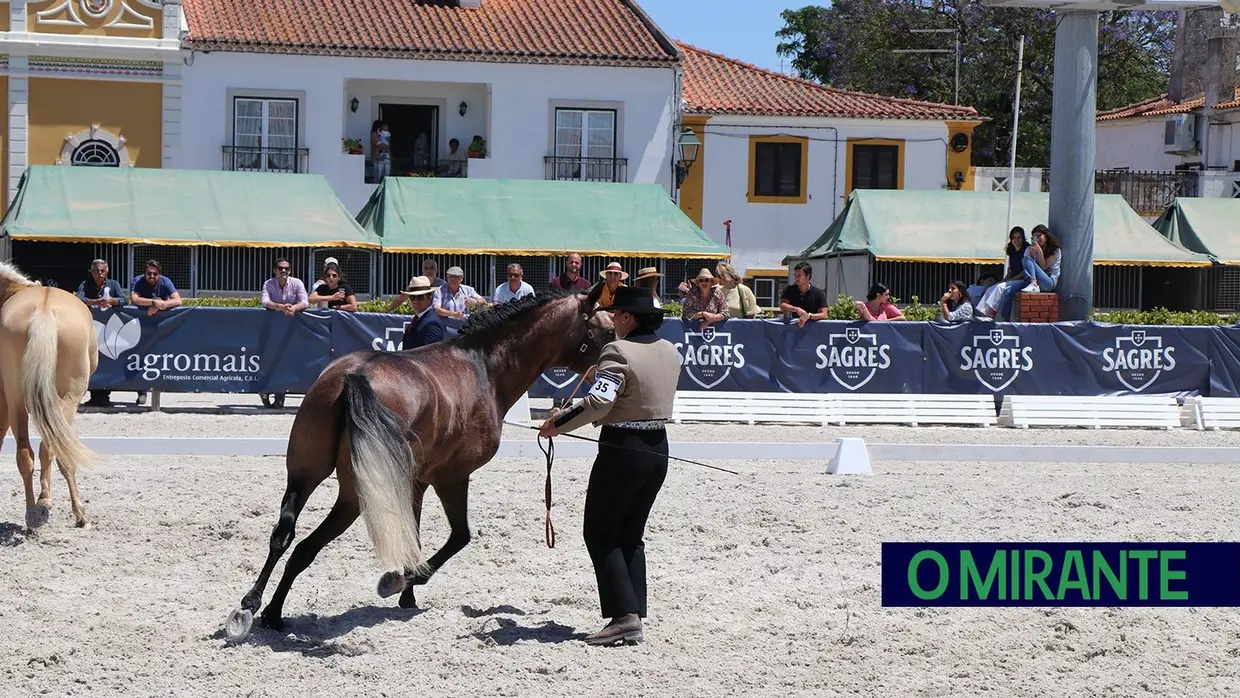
[{"x": 842, "y": 309}]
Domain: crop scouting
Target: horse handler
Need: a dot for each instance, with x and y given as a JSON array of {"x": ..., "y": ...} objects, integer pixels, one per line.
[{"x": 632, "y": 399}]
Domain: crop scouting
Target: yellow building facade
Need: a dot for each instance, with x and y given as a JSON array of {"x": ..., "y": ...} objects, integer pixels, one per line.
[{"x": 89, "y": 83}]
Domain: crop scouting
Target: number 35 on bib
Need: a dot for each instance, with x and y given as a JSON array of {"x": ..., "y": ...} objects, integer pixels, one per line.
[{"x": 606, "y": 387}]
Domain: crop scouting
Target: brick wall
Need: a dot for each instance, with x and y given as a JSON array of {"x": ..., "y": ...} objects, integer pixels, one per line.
[{"x": 1036, "y": 307}]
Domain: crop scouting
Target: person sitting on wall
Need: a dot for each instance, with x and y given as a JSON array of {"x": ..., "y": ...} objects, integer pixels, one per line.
[
  {"x": 996, "y": 301},
  {"x": 1042, "y": 260},
  {"x": 878, "y": 305},
  {"x": 805, "y": 300},
  {"x": 955, "y": 306}
]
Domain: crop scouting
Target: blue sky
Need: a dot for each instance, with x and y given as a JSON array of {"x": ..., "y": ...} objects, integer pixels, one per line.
[{"x": 741, "y": 29}]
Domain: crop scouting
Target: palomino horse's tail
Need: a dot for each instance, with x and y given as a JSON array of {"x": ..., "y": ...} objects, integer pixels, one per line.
[
  {"x": 39, "y": 390},
  {"x": 384, "y": 468}
]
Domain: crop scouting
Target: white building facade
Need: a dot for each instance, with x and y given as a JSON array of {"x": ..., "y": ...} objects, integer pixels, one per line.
[
  {"x": 780, "y": 156},
  {"x": 552, "y": 98}
]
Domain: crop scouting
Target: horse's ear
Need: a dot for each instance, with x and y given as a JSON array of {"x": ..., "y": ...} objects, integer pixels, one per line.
[{"x": 591, "y": 300}]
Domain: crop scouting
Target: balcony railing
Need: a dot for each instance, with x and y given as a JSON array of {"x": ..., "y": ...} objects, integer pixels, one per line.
[
  {"x": 1148, "y": 193},
  {"x": 245, "y": 159},
  {"x": 586, "y": 169},
  {"x": 420, "y": 167}
]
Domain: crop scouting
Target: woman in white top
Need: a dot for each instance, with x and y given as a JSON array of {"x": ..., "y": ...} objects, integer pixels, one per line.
[{"x": 741, "y": 301}]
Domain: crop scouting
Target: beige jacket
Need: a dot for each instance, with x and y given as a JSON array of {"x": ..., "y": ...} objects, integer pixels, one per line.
[{"x": 636, "y": 380}]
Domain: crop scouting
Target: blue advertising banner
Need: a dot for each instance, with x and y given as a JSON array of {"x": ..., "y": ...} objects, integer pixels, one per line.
[
  {"x": 210, "y": 349},
  {"x": 1061, "y": 574},
  {"x": 254, "y": 350}
]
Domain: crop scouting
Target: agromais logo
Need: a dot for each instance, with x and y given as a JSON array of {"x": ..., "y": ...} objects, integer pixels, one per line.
[
  {"x": 996, "y": 359},
  {"x": 709, "y": 356},
  {"x": 1138, "y": 359},
  {"x": 123, "y": 333},
  {"x": 853, "y": 358}
]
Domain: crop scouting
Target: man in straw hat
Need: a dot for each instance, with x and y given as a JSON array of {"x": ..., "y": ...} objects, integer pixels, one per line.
[
  {"x": 648, "y": 277},
  {"x": 612, "y": 275},
  {"x": 632, "y": 399},
  {"x": 426, "y": 327}
]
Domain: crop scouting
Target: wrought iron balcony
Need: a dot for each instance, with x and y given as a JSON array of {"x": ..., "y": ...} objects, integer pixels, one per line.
[
  {"x": 586, "y": 169},
  {"x": 419, "y": 167},
  {"x": 245, "y": 159}
]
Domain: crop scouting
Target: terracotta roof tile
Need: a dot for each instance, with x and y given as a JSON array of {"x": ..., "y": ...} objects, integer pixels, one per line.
[
  {"x": 1161, "y": 106},
  {"x": 716, "y": 84},
  {"x": 591, "y": 31}
]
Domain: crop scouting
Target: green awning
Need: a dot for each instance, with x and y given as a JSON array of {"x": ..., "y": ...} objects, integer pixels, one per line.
[
  {"x": 971, "y": 227},
  {"x": 532, "y": 217},
  {"x": 1208, "y": 226},
  {"x": 142, "y": 205}
]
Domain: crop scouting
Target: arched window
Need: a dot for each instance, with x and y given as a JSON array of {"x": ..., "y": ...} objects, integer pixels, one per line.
[
  {"x": 94, "y": 147},
  {"x": 95, "y": 153}
]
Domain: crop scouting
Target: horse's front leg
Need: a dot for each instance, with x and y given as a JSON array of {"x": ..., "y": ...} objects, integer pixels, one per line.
[{"x": 455, "y": 499}]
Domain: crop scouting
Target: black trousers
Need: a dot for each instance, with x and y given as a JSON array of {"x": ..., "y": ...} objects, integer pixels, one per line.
[{"x": 623, "y": 487}]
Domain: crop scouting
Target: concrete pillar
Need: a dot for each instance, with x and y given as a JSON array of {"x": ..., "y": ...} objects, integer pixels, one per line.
[{"x": 1072, "y": 158}]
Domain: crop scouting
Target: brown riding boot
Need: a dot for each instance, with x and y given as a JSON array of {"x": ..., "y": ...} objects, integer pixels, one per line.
[{"x": 626, "y": 628}]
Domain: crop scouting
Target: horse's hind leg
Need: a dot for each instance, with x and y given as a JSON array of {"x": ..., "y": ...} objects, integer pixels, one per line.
[
  {"x": 455, "y": 499},
  {"x": 36, "y": 515},
  {"x": 344, "y": 512},
  {"x": 45, "y": 475},
  {"x": 407, "y": 599}
]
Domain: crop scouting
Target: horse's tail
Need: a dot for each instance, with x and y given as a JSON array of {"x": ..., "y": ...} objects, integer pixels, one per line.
[
  {"x": 39, "y": 391},
  {"x": 384, "y": 467}
]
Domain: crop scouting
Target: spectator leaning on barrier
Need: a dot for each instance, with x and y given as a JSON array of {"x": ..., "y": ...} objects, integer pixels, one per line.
[
  {"x": 805, "y": 300},
  {"x": 426, "y": 327},
  {"x": 455, "y": 299},
  {"x": 571, "y": 279},
  {"x": 430, "y": 269},
  {"x": 706, "y": 302},
  {"x": 285, "y": 292},
  {"x": 515, "y": 287},
  {"x": 955, "y": 305},
  {"x": 98, "y": 291},
  {"x": 878, "y": 305},
  {"x": 155, "y": 292},
  {"x": 334, "y": 293},
  {"x": 741, "y": 301}
]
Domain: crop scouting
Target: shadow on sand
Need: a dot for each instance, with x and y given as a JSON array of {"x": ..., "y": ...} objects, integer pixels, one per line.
[
  {"x": 11, "y": 534},
  {"x": 312, "y": 635}
]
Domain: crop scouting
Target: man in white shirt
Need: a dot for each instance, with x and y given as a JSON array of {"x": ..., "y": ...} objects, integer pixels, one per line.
[
  {"x": 515, "y": 288},
  {"x": 455, "y": 299}
]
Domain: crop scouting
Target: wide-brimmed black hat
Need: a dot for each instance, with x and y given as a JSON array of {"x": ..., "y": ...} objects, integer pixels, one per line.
[{"x": 636, "y": 300}]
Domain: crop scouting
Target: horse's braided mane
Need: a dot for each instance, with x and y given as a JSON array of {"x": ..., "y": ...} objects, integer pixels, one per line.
[{"x": 481, "y": 327}]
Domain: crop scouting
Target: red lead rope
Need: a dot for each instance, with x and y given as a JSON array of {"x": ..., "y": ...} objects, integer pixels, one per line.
[{"x": 549, "y": 452}]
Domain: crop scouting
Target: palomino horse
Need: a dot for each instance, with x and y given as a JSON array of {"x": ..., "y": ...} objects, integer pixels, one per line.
[
  {"x": 48, "y": 351},
  {"x": 392, "y": 424}
]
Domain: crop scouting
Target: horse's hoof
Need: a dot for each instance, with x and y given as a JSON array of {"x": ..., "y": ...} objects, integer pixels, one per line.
[
  {"x": 238, "y": 625},
  {"x": 273, "y": 621},
  {"x": 84, "y": 524},
  {"x": 407, "y": 599},
  {"x": 391, "y": 583},
  {"x": 37, "y": 515}
]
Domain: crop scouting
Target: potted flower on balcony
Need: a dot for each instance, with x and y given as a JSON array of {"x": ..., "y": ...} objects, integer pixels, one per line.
[
  {"x": 353, "y": 146},
  {"x": 478, "y": 148}
]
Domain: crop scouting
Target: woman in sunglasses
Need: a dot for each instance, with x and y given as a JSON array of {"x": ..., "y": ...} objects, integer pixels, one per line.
[
  {"x": 705, "y": 301},
  {"x": 334, "y": 293}
]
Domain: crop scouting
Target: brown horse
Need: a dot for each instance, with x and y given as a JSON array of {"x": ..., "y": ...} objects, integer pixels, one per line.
[
  {"x": 48, "y": 351},
  {"x": 391, "y": 424}
]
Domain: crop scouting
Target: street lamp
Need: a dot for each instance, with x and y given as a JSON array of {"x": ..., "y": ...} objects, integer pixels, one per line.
[{"x": 687, "y": 147}]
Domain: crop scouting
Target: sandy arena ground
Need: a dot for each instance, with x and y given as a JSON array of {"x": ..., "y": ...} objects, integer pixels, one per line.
[{"x": 766, "y": 584}]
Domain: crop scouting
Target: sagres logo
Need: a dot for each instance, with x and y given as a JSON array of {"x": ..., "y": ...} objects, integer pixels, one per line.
[
  {"x": 391, "y": 339},
  {"x": 853, "y": 358},
  {"x": 709, "y": 356},
  {"x": 996, "y": 359},
  {"x": 1138, "y": 359},
  {"x": 560, "y": 377},
  {"x": 121, "y": 334}
]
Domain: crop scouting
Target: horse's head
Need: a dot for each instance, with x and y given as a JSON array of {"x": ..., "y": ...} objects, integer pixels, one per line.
[{"x": 592, "y": 331}]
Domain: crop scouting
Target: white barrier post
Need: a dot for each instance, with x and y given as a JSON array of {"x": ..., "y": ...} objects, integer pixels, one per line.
[
  {"x": 851, "y": 458},
  {"x": 520, "y": 411}
]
